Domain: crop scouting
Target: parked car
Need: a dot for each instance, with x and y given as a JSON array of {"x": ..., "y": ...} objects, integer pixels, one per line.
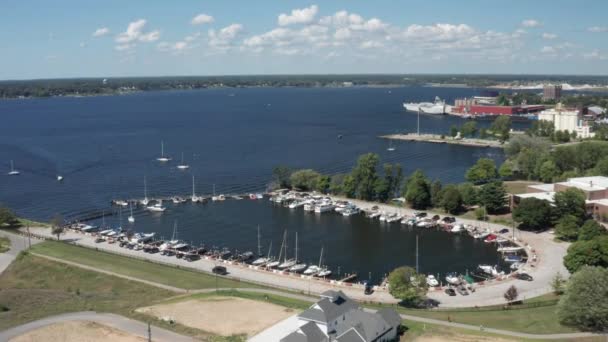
[
  {"x": 436, "y": 218},
  {"x": 503, "y": 231},
  {"x": 419, "y": 214},
  {"x": 450, "y": 291},
  {"x": 448, "y": 219},
  {"x": 524, "y": 276},
  {"x": 369, "y": 289},
  {"x": 221, "y": 270}
]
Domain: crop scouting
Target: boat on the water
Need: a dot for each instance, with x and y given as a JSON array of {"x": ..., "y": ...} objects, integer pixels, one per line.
[
  {"x": 13, "y": 172},
  {"x": 510, "y": 249},
  {"x": 432, "y": 281},
  {"x": 182, "y": 165},
  {"x": 157, "y": 207},
  {"x": 145, "y": 201},
  {"x": 163, "y": 158},
  {"x": 453, "y": 278},
  {"x": 437, "y": 107},
  {"x": 131, "y": 218}
]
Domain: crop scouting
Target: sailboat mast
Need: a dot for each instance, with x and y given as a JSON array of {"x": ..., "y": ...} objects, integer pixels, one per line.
[
  {"x": 296, "y": 246},
  {"x": 145, "y": 189},
  {"x": 269, "y": 249},
  {"x": 259, "y": 245},
  {"x": 321, "y": 257},
  {"x": 193, "y": 194},
  {"x": 162, "y": 148}
]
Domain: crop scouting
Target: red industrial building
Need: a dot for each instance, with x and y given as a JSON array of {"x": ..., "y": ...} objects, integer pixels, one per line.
[{"x": 476, "y": 109}]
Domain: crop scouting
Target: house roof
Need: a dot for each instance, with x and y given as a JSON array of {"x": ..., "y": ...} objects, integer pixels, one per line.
[
  {"x": 390, "y": 316},
  {"x": 350, "y": 336},
  {"x": 368, "y": 325},
  {"x": 327, "y": 310},
  {"x": 309, "y": 332}
]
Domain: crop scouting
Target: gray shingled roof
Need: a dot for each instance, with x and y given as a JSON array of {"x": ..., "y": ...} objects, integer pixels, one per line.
[
  {"x": 350, "y": 336},
  {"x": 309, "y": 332},
  {"x": 390, "y": 316},
  {"x": 329, "y": 310}
]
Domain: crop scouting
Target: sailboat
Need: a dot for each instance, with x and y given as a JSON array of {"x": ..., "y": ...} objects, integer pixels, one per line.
[
  {"x": 145, "y": 201},
  {"x": 314, "y": 269},
  {"x": 277, "y": 262},
  {"x": 390, "y": 148},
  {"x": 157, "y": 207},
  {"x": 217, "y": 198},
  {"x": 287, "y": 263},
  {"x": 260, "y": 260},
  {"x": 298, "y": 267},
  {"x": 195, "y": 199},
  {"x": 13, "y": 172},
  {"x": 59, "y": 178},
  {"x": 162, "y": 157},
  {"x": 183, "y": 166},
  {"x": 131, "y": 219}
]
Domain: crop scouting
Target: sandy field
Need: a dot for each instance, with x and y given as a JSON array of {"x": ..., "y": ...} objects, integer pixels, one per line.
[
  {"x": 458, "y": 338},
  {"x": 77, "y": 331},
  {"x": 221, "y": 315}
]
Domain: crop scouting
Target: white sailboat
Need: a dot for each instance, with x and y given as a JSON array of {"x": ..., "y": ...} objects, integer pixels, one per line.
[
  {"x": 217, "y": 198},
  {"x": 277, "y": 262},
  {"x": 390, "y": 148},
  {"x": 260, "y": 260},
  {"x": 314, "y": 269},
  {"x": 162, "y": 157},
  {"x": 145, "y": 201},
  {"x": 59, "y": 178},
  {"x": 194, "y": 198},
  {"x": 157, "y": 207},
  {"x": 183, "y": 166},
  {"x": 13, "y": 172},
  {"x": 131, "y": 218},
  {"x": 298, "y": 267}
]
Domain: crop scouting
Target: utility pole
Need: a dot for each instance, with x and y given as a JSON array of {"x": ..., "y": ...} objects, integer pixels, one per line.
[
  {"x": 29, "y": 237},
  {"x": 149, "y": 333}
]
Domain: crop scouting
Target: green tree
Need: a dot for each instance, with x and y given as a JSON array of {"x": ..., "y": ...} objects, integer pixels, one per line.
[
  {"x": 349, "y": 186},
  {"x": 418, "y": 192},
  {"x": 304, "y": 179},
  {"x": 323, "y": 183},
  {"x": 493, "y": 196},
  {"x": 503, "y": 100},
  {"x": 382, "y": 189},
  {"x": 591, "y": 253},
  {"x": 511, "y": 294},
  {"x": 453, "y": 131},
  {"x": 483, "y": 133},
  {"x": 436, "y": 193},
  {"x": 548, "y": 170},
  {"x": 7, "y": 217},
  {"x": 506, "y": 170},
  {"x": 591, "y": 230},
  {"x": 468, "y": 193},
  {"x": 451, "y": 200},
  {"x": 501, "y": 127},
  {"x": 570, "y": 202},
  {"x": 336, "y": 184},
  {"x": 407, "y": 285},
  {"x": 585, "y": 304},
  {"x": 533, "y": 213},
  {"x": 602, "y": 167},
  {"x": 483, "y": 171},
  {"x": 468, "y": 129},
  {"x": 397, "y": 180},
  {"x": 567, "y": 228},
  {"x": 557, "y": 284},
  {"x": 281, "y": 176},
  {"x": 57, "y": 227},
  {"x": 364, "y": 176}
]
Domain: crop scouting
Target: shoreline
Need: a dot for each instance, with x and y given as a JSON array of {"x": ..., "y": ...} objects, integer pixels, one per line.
[{"x": 437, "y": 139}]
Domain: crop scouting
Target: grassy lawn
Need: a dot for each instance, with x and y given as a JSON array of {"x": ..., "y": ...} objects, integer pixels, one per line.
[
  {"x": 141, "y": 269},
  {"x": 5, "y": 244},
  {"x": 32, "y": 288},
  {"x": 423, "y": 331},
  {"x": 287, "y": 302}
]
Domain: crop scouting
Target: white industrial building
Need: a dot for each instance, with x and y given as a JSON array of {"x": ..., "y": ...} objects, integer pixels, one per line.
[{"x": 567, "y": 120}]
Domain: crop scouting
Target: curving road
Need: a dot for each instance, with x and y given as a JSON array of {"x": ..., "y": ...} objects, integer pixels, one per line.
[
  {"x": 313, "y": 299},
  {"x": 18, "y": 243},
  {"x": 115, "y": 321}
]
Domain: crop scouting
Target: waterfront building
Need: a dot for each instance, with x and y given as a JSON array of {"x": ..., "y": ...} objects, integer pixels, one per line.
[
  {"x": 594, "y": 187},
  {"x": 484, "y": 106},
  {"x": 552, "y": 92},
  {"x": 337, "y": 318},
  {"x": 567, "y": 120}
]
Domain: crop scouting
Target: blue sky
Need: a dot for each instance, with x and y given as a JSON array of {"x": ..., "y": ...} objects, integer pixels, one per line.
[{"x": 55, "y": 39}]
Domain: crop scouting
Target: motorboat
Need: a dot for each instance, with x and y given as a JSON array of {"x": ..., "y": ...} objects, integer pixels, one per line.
[
  {"x": 491, "y": 270},
  {"x": 157, "y": 207},
  {"x": 163, "y": 158},
  {"x": 350, "y": 211},
  {"x": 513, "y": 258},
  {"x": 509, "y": 249},
  {"x": 295, "y": 204},
  {"x": 182, "y": 165},
  {"x": 410, "y": 221},
  {"x": 500, "y": 239},
  {"x": 59, "y": 178},
  {"x": 312, "y": 270},
  {"x": 325, "y": 272},
  {"x": 490, "y": 238},
  {"x": 374, "y": 214},
  {"x": 432, "y": 281},
  {"x": 425, "y": 223},
  {"x": 120, "y": 203},
  {"x": 324, "y": 207},
  {"x": 309, "y": 206},
  {"x": 481, "y": 235},
  {"x": 437, "y": 107},
  {"x": 457, "y": 228},
  {"x": 453, "y": 278},
  {"x": 393, "y": 218},
  {"x": 246, "y": 256},
  {"x": 177, "y": 199},
  {"x": 13, "y": 172}
]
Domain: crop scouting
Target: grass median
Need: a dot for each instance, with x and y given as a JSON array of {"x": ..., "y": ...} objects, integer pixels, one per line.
[{"x": 167, "y": 275}]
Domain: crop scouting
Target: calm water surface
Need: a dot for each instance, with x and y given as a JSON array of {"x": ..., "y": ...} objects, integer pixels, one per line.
[{"x": 232, "y": 138}]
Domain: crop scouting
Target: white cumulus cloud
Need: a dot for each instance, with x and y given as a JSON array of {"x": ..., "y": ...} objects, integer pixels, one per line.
[
  {"x": 598, "y": 29},
  {"x": 299, "y": 16},
  {"x": 549, "y": 36},
  {"x": 135, "y": 32},
  {"x": 225, "y": 37},
  {"x": 202, "y": 19},
  {"x": 531, "y": 23},
  {"x": 100, "y": 32}
]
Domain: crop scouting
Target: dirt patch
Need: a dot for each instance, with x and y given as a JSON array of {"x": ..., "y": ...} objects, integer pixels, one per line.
[
  {"x": 458, "y": 338},
  {"x": 77, "y": 331},
  {"x": 221, "y": 315}
]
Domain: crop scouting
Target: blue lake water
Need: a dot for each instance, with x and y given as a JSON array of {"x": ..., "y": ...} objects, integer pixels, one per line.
[{"x": 232, "y": 138}]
